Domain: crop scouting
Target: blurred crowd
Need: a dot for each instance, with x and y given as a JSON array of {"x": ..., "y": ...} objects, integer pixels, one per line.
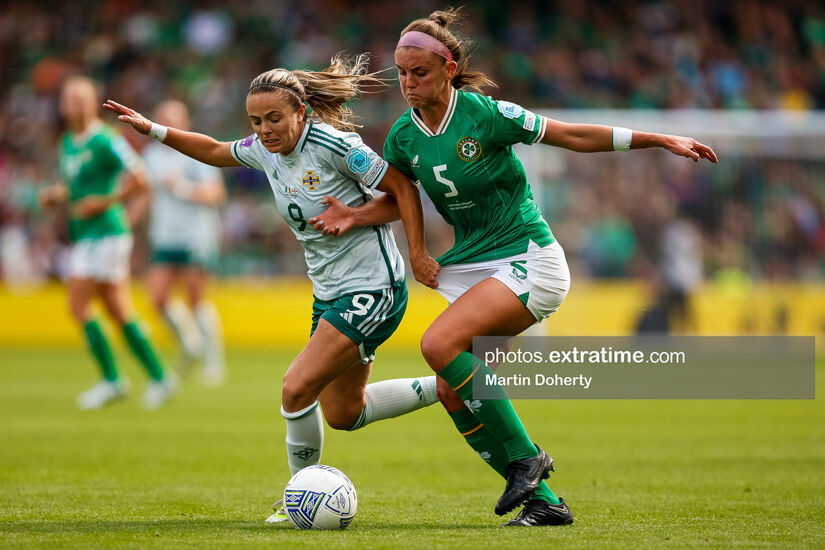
[{"x": 656, "y": 217}]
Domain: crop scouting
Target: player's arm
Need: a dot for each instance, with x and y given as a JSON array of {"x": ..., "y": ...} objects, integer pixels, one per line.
[
  {"x": 406, "y": 195},
  {"x": 135, "y": 185},
  {"x": 210, "y": 192},
  {"x": 339, "y": 218},
  {"x": 53, "y": 195},
  {"x": 591, "y": 138},
  {"x": 192, "y": 144}
]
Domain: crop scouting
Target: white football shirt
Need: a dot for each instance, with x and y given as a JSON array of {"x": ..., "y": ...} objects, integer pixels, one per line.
[{"x": 328, "y": 162}]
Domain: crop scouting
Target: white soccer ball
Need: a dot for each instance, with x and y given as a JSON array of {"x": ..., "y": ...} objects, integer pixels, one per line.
[{"x": 320, "y": 497}]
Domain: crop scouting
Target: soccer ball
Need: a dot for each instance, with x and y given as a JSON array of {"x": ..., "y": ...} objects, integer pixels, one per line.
[{"x": 320, "y": 497}]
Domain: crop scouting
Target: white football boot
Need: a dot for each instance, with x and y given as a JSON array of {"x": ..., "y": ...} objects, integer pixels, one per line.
[
  {"x": 280, "y": 513},
  {"x": 102, "y": 393},
  {"x": 158, "y": 393}
]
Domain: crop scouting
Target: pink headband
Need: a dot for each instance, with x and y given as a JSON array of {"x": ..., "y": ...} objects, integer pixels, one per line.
[{"x": 423, "y": 40}]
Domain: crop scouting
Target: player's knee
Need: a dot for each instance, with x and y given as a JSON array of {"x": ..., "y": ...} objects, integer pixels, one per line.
[
  {"x": 449, "y": 399},
  {"x": 159, "y": 300},
  {"x": 296, "y": 393},
  {"x": 434, "y": 350},
  {"x": 342, "y": 419}
]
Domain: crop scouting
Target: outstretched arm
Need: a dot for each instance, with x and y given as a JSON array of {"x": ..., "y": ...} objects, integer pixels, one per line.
[
  {"x": 590, "y": 138},
  {"x": 198, "y": 146}
]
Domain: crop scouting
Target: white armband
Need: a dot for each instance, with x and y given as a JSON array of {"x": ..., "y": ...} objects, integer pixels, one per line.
[
  {"x": 622, "y": 138},
  {"x": 158, "y": 132}
]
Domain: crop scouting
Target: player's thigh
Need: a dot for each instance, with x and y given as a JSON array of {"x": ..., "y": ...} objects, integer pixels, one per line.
[
  {"x": 159, "y": 280},
  {"x": 327, "y": 354},
  {"x": 81, "y": 291},
  {"x": 343, "y": 399},
  {"x": 117, "y": 298},
  {"x": 488, "y": 308}
]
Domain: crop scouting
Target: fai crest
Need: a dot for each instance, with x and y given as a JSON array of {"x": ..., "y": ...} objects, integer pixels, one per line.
[
  {"x": 468, "y": 149},
  {"x": 311, "y": 180}
]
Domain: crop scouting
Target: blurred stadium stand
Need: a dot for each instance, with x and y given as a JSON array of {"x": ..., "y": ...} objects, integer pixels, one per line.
[{"x": 758, "y": 215}]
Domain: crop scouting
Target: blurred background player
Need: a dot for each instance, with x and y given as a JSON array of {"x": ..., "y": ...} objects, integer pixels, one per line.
[
  {"x": 92, "y": 158},
  {"x": 184, "y": 234}
]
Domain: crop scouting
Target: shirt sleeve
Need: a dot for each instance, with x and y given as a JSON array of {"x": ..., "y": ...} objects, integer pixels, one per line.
[
  {"x": 119, "y": 153},
  {"x": 394, "y": 156},
  {"x": 513, "y": 123},
  {"x": 360, "y": 162},
  {"x": 245, "y": 151}
]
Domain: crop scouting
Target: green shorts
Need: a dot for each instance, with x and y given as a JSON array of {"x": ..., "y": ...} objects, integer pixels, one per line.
[
  {"x": 181, "y": 257},
  {"x": 367, "y": 318}
]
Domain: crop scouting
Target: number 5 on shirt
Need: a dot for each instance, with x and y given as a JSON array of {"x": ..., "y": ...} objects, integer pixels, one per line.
[{"x": 441, "y": 179}]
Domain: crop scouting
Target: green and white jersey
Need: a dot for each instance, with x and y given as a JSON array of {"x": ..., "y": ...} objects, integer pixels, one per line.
[
  {"x": 475, "y": 180},
  {"x": 90, "y": 164},
  {"x": 328, "y": 162},
  {"x": 177, "y": 223}
]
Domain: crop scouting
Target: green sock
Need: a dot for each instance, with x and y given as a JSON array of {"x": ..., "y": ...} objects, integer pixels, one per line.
[
  {"x": 141, "y": 347},
  {"x": 100, "y": 349},
  {"x": 498, "y": 415},
  {"x": 490, "y": 450}
]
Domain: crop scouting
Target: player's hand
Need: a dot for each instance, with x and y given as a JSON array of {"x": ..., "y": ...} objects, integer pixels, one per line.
[
  {"x": 335, "y": 220},
  {"x": 52, "y": 195},
  {"x": 129, "y": 116},
  {"x": 91, "y": 206},
  {"x": 425, "y": 269},
  {"x": 689, "y": 147}
]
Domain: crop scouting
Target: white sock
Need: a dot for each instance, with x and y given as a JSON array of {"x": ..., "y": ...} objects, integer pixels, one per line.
[
  {"x": 211, "y": 328},
  {"x": 391, "y": 398},
  {"x": 304, "y": 437},
  {"x": 183, "y": 325}
]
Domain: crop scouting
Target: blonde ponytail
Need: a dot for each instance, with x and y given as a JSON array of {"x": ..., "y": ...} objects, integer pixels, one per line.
[{"x": 327, "y": 91}]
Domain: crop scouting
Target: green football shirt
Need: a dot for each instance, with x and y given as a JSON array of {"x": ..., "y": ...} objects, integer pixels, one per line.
[
  {"x": 475, "y": 180},
  {"x": 90, "y": 164}
]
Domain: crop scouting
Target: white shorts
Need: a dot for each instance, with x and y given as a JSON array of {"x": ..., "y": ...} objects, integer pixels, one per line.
[
  {"x": 539, "y": 277},
  {"x": 106, "y": 259}
]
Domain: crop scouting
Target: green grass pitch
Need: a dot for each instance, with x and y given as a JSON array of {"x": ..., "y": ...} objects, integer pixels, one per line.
[{"x": 204, "y": 471}]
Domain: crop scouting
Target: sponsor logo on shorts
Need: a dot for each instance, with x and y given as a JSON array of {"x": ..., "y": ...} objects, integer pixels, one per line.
[
  {"x": 468, "y": 149},
  {"x": 519, "y": 269}
]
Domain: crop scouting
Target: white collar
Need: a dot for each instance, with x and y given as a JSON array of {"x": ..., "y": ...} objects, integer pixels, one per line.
[{"x": 448, "y": 116}]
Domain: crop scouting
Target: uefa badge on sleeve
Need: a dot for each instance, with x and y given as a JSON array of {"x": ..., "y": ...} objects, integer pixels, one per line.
[{"x": 358, "y": 161}]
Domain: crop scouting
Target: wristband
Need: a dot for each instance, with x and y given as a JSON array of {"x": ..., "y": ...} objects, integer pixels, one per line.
[
  {"x": 158, "y": 132},
  {"x": 622, "y": 138}
]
